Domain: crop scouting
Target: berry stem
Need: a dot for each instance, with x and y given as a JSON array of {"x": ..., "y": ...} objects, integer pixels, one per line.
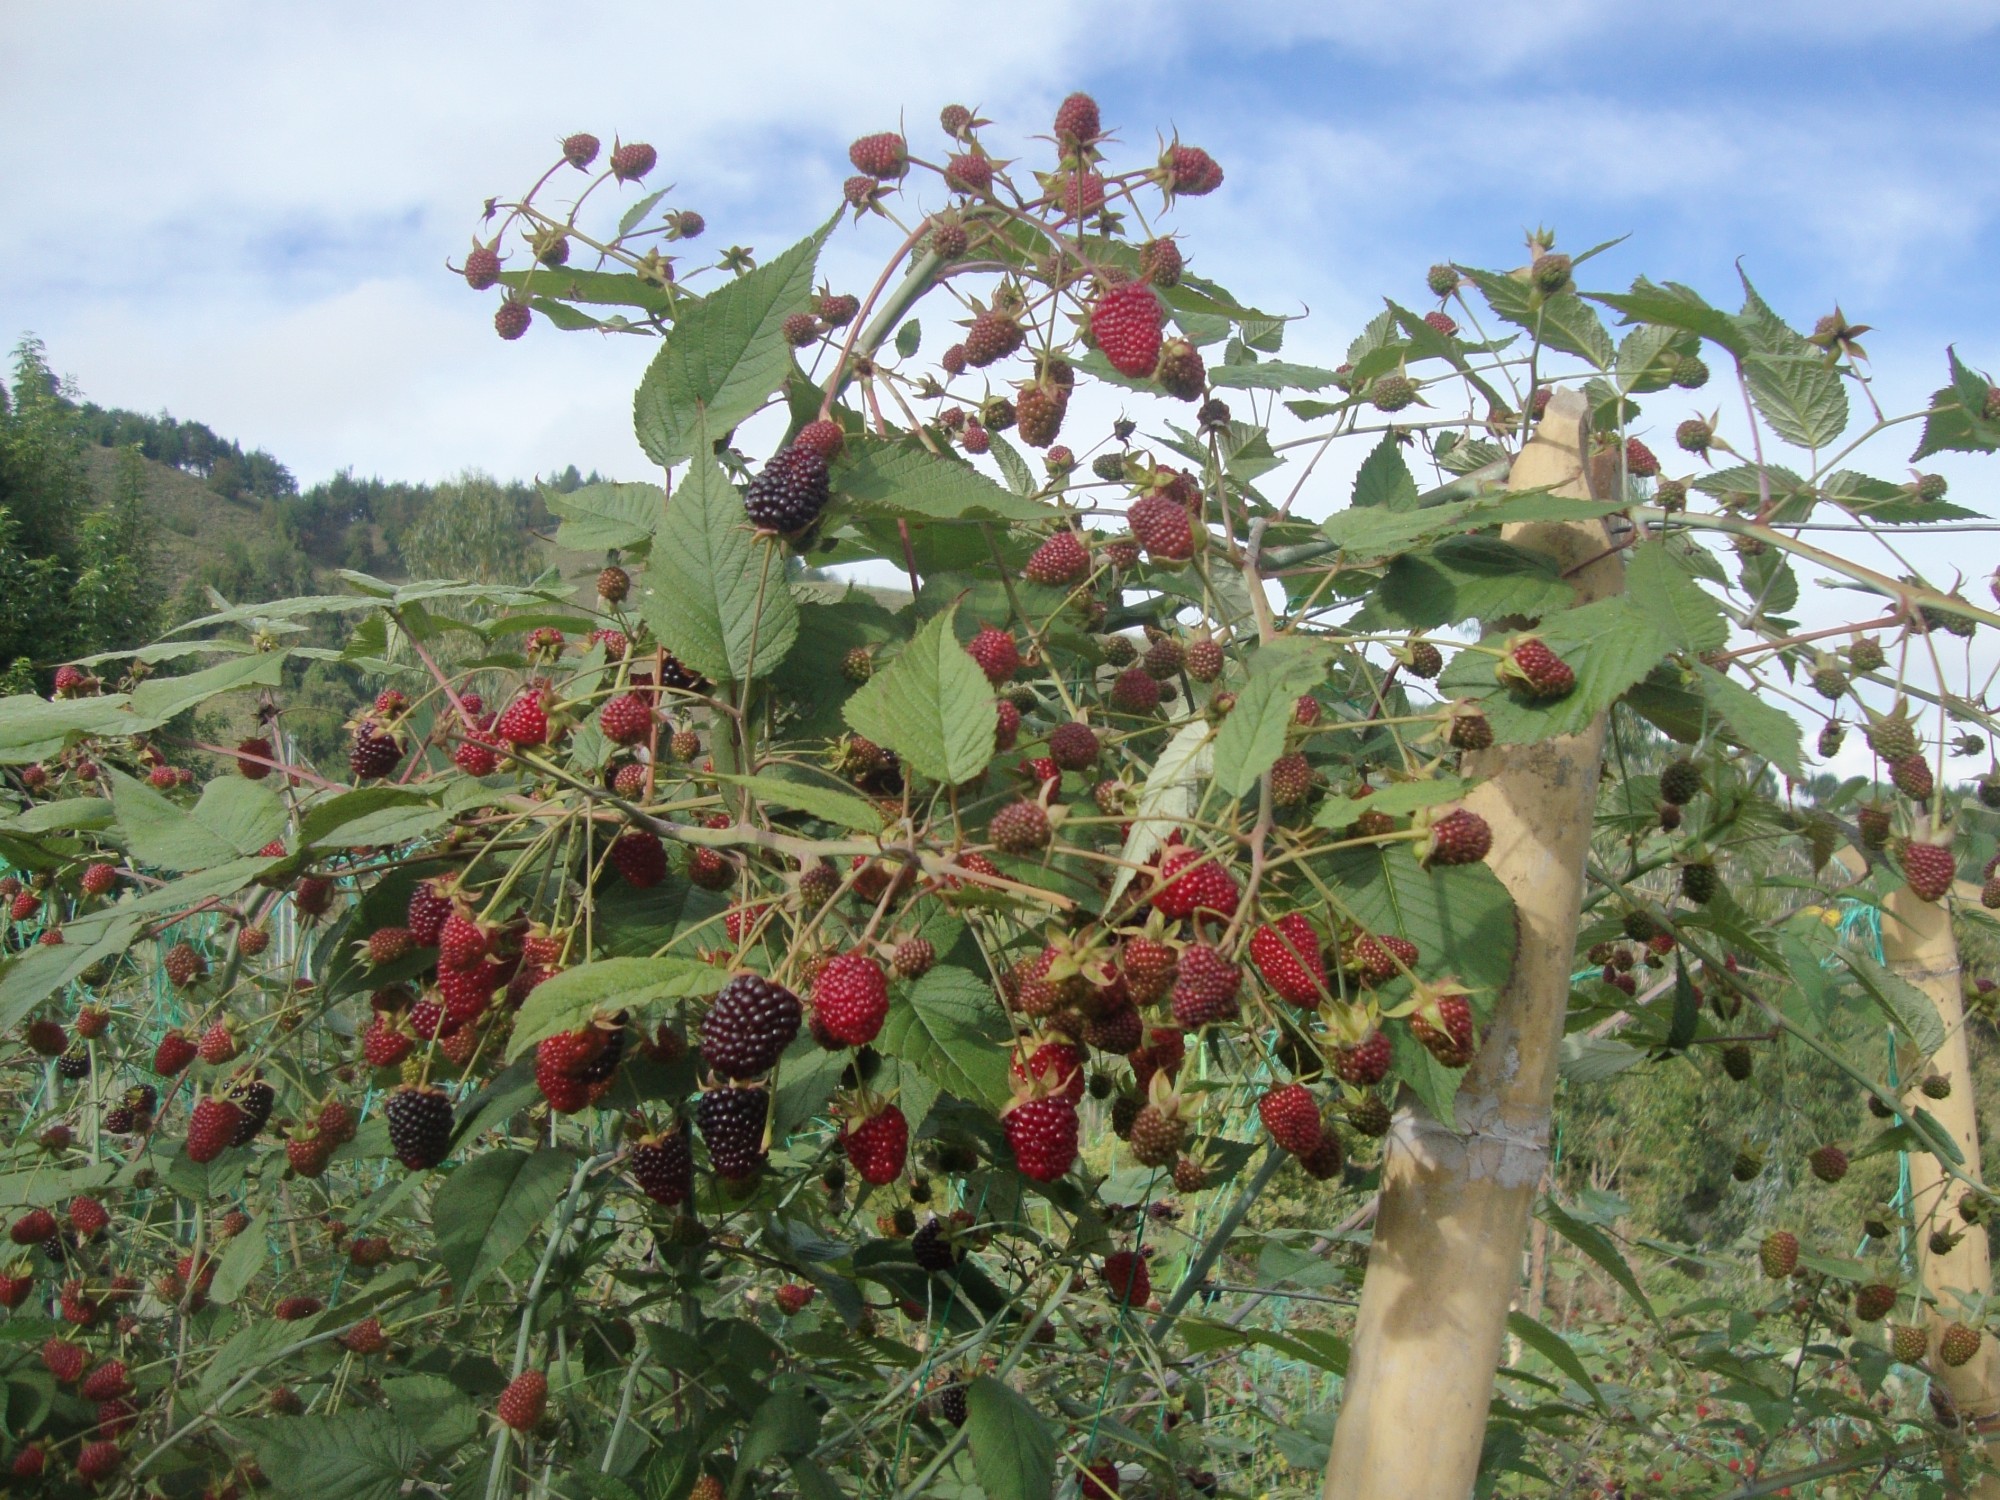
[
  {"x": 916, "y": 281},
  {"x": 275, "y": 1357},
  {"x": 584, "y": 1168},
  {"x": 1212, "y": 1248}
]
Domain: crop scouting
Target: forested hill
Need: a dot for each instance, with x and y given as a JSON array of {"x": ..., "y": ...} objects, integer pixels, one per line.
[{"x": 115, "y": 524}]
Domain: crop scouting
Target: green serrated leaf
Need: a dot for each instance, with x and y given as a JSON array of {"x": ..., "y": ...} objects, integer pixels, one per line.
[
  {"x": 370, "y": 816},
  {"x": 909, "y": 338},
  {"x": 1271, "y": 375},
  {"x": 1013, "y": 1450},
  {"x": 1645, "y": 361},
  {"x": 1384, "y": 479},
  {"x": 952, "y": 1030},
  {"x": 724, "y": 357},
  {"x": 1767, "y": 577},
  {"x": 629, "y": 220},
  {"x": 931, "y": 705},
  {"x": 1908, "y": 1008},
  {"x": 1610, "y": 644},
  {"x": 601, "y": 516},
  {"x": 1253, "y": 736},
  {"x": 808, "y": 1074},
  {"x": 565, "y": 317},
  {"x": 1570, "y": 324},
  {"x": 1687, "y": 1009},
  {"x": 715, "y": 596},
  {"x": 1553, "y": 1347},
  {"x": 573, "y": 998},
  {"x": 246, "y": 815},
  {"x": 1459, "y": 916},
  {"x": 240, "y": 1263},
  {"x": 1676, "y": 306},
  {"x": 1594, "y": 1059},
  {"x": 158, "y": 832},
  {"x": 1800, "y": 396},
  {"x": 785, "y": 1426},
  {"x": 159, "y": 699},
  {"x": 1397, "y": 797},
  {"x": 1660, "y": 588},
  {"x": 491, "y": 1206},
  {"x": 1465, "y": 578},
  {"x": 907, "y": 479},
  {"x": 602, "y": 288},
  {"x": 1377, "y": 532},
  {"x": 351, "y": 1455},
  {"x": 1013, "y": 468},
  {"x": 829, "y": 805},
  {"x": 1958, "y": 420},
  {"x": 1753, "y": 723},
  {"x": 433, "y": 1411}
]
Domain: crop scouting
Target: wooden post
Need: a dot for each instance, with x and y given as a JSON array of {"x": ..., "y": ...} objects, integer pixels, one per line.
[
  {"x": 1446, "y": 1259},
  {"x": 1919, "y": 947}
]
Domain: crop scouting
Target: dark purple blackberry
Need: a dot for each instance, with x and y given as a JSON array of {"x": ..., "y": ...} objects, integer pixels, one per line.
[
  {"x": 790, "y": 492},
  {"x": 62, "y": 1247},
  {"x": 749, "y": 1025},
  {"x": 951, "y": 1402},
  {"x": 732, "y": 1122},
  {"x": 143, "y": 1098},
  {"x": 601, "y": 1067},
  {"x": 120, "y": 1120},
  {"x": 254, "y": 1098},
  {"x": 74, "y": 1063},
  {"x": 931, "y": 1250},
  {"x": 663, "y": 1166},
  {"x": 676, "y": 674},
  {"x": 374, "y": 753},
  {"x": 419, "y": 1126}
]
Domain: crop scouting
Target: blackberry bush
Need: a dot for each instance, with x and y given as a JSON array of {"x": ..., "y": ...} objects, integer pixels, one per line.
[{"x": 1183, "y": 852}]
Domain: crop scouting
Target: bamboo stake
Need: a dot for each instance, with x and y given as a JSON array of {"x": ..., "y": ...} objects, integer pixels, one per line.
[
  {"x": 1446, "y": 1259},
  {"x": 1918, "y": 944}
]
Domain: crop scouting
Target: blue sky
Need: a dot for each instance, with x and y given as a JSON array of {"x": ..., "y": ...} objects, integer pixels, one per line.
[{"x": 241, "y": 213}]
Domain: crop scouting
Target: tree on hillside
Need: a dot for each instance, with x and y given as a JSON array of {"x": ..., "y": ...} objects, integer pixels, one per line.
[
  {"x": 74, "y": 577},
  {"x": 470, "y": 527}
]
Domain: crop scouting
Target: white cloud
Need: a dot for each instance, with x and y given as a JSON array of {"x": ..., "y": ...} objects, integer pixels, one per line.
[{"x": 242, "y": 213}]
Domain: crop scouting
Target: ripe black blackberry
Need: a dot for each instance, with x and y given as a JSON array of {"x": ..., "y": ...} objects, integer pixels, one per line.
[
  {"x": 419, "y": 1126},
  {"x": 676, "y": 674},
  {"x": 374, "y": 753},
  {"x": 253, "y": 1098},
  {"x": 601, "y": 1067},
  {"x": 789, "y": 493},
  {"x": 749, "y": 1025},
  {"x": 663, "y": 1166},
  {"x": 75, "y": 1063},
  {"x": 732, "y": 1122},
  {"x": 951, "y": 1402},
  {"x": 931, "y": 1250}
]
